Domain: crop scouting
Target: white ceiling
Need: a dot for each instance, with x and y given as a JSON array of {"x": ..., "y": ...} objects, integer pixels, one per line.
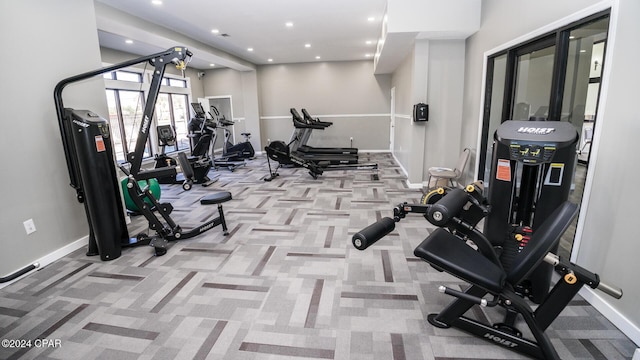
[{"x": 337, "y": 30}]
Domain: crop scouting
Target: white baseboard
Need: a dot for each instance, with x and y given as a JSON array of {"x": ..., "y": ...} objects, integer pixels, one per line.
[
  {"x": 51, "y": 257},
  {"x": 619, "y": 320},
  {"x": 404, "y": 171},
  {"x": 374, "y": 151}
]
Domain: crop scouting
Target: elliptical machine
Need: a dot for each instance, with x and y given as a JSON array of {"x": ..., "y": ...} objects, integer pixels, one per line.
[
  {"x": 200, "y": 162},
  {"x": 231, "y": 161}
]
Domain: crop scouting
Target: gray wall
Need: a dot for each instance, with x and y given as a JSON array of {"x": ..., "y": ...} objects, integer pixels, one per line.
[
  {"x": 219, "y": 82},
  {"x": 243, "y": 89},
  {"x": 327, "y": 88},
  {"x": 445, "y": 89},
  {"x": 432, "y": 73},
  {"x": 607, "y": 242},
  {"x": 402, "y": 81},
  {"x": 36, "y": 182}
]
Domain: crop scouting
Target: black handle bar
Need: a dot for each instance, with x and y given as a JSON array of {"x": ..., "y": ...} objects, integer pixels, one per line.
[
  {"x": 372, "y": 233},
  {"x": 443, "y": 212}
]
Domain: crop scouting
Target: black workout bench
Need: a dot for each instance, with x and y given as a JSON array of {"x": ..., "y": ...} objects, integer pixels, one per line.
[{"x": 446, "y": 249}]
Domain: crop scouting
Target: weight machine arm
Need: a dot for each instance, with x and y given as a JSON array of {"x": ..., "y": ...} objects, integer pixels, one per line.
[
  {"x": 180, "y": 56},
  {"x": 446, "y": 212}
]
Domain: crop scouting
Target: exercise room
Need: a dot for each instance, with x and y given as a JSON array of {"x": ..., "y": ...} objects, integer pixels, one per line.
[{"x": 360, "y": 179}]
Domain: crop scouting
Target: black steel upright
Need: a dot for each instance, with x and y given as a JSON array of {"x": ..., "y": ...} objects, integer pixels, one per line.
[{"x": 89, "y": 155}]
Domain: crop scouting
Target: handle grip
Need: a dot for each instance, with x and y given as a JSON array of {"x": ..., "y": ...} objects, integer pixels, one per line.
[
  {"x": 372, "y": 233},
  {"x": 610, "y": 290}
]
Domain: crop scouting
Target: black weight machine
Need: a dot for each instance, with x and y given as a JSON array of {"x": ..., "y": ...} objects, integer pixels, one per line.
[
  {"x": 91, "y": 164},
  {"x": 531, "y": 174},
  {"x": 456, "y": 213}
]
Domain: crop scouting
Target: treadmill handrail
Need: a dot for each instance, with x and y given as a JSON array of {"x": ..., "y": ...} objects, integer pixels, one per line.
[{"x": 308, "y": 118}]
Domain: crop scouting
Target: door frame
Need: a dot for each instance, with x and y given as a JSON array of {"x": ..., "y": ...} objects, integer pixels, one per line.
[
  {"x": 557, "y": 33},
  {"x": 392, "y": 124}
]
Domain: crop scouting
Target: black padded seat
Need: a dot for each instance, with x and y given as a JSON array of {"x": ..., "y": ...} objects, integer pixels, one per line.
[
  {"x": 216, "y": 198},
  {"x": 447, "y": 252}
]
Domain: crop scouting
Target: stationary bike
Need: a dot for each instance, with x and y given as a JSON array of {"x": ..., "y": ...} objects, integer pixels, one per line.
[
  {"x": 490, "y": 269},
  {"x": 237, "y": 152}
]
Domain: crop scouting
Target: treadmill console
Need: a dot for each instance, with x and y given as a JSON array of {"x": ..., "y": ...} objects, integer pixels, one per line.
[{"x": 535, "y": 142}]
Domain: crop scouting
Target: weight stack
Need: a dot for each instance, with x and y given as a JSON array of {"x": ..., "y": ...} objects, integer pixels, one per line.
[{"x": 95, "y": 164}]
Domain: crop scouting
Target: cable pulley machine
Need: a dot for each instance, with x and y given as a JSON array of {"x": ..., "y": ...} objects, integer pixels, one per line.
[{"x": 91, "y": 164}]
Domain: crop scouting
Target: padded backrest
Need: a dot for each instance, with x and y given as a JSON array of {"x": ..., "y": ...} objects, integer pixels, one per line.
[
  {"x": 545, "y": 238},
  {"x": 187, "y": 170}
]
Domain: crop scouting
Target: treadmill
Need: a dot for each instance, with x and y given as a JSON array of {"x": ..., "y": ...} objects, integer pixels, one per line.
[
  {"x": 305, "y": 134},
  {"x": 300, "y": 127}
]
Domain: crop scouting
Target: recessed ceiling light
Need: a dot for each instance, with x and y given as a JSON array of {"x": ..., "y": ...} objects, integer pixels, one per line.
[
  {"x": 270, "y": 60},
  {"x": 369, "y": 42},
  {"x": 572, "y": 37},
  {"x": 212, "y": 65},
  {"x": 371, "y": 18},
  {"x": 583, "y": 51},
  {"x": 307, "y": 45},
  {"x": 317, "y": 57},
  {"x": 249, "y": 49},
  {"x": 367, "y": 55},
  {"x": 289, "y": 24},
  {"x": 156, "y": 2},
  {"x": 215, "y": 31},
  {"x": 129, "y": 41}
]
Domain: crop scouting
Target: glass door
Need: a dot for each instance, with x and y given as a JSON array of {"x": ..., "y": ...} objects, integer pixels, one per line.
[
  {"x": 555, "y": 77},
  {"x": 582, "y": 81},
  {"x": 496, "y": 72},
  {"x": 533, "y": 80},
  {"x": 585, "y": 57}
]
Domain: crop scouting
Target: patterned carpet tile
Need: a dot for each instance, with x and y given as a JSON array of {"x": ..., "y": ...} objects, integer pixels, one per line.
[{"x": 286, "y": 283}]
